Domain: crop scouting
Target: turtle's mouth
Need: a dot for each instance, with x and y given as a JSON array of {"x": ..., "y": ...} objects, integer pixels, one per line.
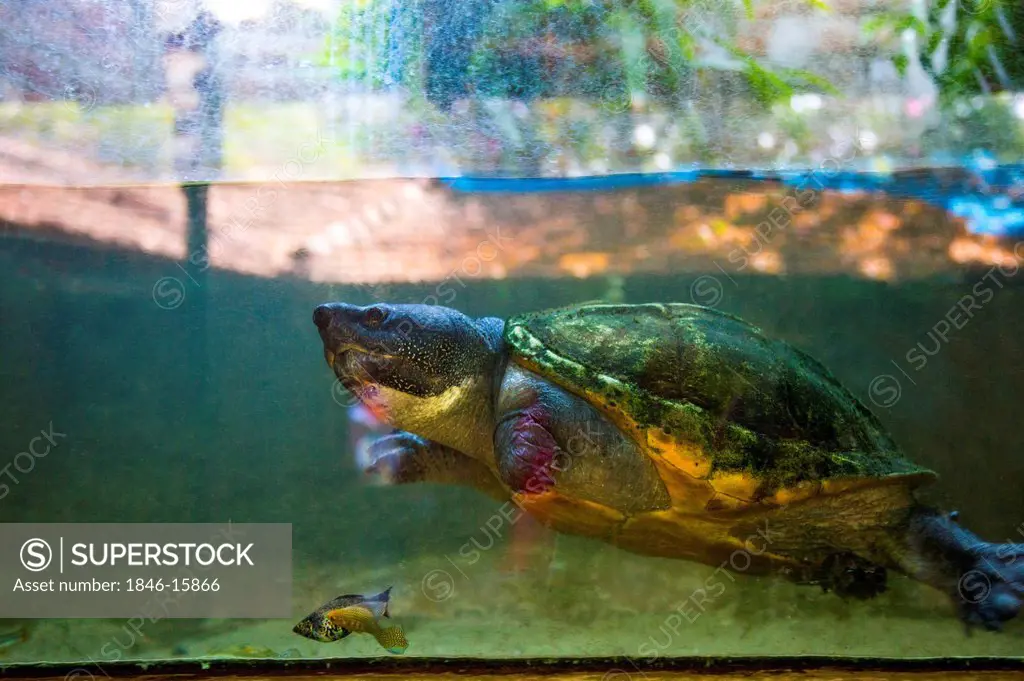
[
  {"x": 359, "y": 372},
  {"x": 345, "y": 361},
  {"x": 356, "y": 366},
  {"x": 338, "y": 353}
]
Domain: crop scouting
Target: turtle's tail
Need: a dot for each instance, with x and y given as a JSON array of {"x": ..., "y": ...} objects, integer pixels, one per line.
[{"x": 984, "y": 579}]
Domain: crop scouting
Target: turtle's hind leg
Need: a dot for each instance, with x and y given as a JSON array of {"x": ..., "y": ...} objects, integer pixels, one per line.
[
  {"x": 984, "y": 579},
  {"x": 403, "y": 458}
]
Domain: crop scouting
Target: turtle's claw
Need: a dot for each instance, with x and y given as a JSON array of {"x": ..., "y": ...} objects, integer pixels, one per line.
[
  {"x": 991, "y": 612},
  {"x": 984, "y": 579},
  {"x": 395, "y": 458},
  {"x": 992, "y": 591}
]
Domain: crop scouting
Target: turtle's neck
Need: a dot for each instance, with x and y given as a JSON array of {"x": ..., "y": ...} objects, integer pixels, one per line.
[{"x": 462, "y": 417}]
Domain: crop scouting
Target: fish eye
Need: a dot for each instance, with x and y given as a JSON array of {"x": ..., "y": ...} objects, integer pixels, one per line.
[{"x": 374, "y": 317}]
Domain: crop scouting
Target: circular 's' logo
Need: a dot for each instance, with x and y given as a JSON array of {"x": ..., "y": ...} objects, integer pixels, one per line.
[
  {"x": 440, "y": 585},
  {"x": 36, "y": 555}
]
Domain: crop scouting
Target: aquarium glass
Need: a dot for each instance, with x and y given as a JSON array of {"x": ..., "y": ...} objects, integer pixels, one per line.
[{"x": 183, "y": 182}]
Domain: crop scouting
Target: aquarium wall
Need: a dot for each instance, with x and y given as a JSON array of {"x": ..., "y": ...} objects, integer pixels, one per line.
[
  {"x": 178, "y": 89},
  {"x": 182, "y": 185}
]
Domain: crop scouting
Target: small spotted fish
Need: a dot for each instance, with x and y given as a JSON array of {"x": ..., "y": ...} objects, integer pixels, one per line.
[
  {"x": 360, "y": 619},
  {"x": 344, "y": 615}
]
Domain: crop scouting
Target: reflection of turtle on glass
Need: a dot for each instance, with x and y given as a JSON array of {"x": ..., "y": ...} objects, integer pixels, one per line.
[{"x": 668, "y": 430}]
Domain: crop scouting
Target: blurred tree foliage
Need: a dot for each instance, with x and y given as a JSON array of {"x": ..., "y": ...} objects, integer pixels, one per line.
[
  {"x": 969, "y": 47},
  {"x": 525, "y": 49},
  {"x": 986, "y": 125}
]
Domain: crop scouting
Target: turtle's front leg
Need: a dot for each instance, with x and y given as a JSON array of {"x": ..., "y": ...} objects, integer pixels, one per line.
[
  {"x": 549, "y": 439},
  {"x": 402, "y": 458}
]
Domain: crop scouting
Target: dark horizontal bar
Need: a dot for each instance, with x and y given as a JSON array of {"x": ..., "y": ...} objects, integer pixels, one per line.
[{"x": 629, "y": 667}]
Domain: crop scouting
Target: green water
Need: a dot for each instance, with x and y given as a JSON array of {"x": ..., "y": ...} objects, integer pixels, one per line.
[{"x": 226, "y": 411}]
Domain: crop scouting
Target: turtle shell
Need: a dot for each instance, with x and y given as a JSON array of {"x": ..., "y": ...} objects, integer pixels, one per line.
[{"x": 711, "y": 398}]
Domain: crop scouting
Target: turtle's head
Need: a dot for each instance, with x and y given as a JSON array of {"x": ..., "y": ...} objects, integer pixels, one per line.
[{"x": 427, "y": 369}]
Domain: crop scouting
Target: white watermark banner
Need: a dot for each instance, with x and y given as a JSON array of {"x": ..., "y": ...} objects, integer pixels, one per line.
[{"x": 160, "y": 570}]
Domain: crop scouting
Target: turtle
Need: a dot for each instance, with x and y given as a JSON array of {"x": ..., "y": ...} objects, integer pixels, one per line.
[{"x": 665, "y": 429}]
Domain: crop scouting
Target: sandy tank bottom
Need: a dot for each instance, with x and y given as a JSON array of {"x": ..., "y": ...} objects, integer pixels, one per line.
[{"x": 562, "y": 596}]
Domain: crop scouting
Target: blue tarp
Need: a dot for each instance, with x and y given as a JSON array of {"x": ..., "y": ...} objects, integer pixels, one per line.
[{"x": 990, "y": 198}]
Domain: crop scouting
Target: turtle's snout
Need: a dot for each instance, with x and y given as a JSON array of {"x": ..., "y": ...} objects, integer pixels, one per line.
[
  {"x": 352, "y": 318},
  {"x": 322, "y": 317},
  {"x": 338, "y": 323},
  {"x": 332, "y": 322},
  {"x": 344, "y": 327}
]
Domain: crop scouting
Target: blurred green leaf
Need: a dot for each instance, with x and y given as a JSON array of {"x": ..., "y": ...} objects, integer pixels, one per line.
[
  {"x": 901, "y": 62},
  {"x": 982, "y": 51}
]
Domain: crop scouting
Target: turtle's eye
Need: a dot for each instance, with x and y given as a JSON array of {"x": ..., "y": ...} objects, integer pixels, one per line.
[{"x": 374, "y": 317}]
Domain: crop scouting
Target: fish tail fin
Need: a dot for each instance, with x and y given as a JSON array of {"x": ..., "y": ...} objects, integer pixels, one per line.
[{"x": 393, "y": 640}]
